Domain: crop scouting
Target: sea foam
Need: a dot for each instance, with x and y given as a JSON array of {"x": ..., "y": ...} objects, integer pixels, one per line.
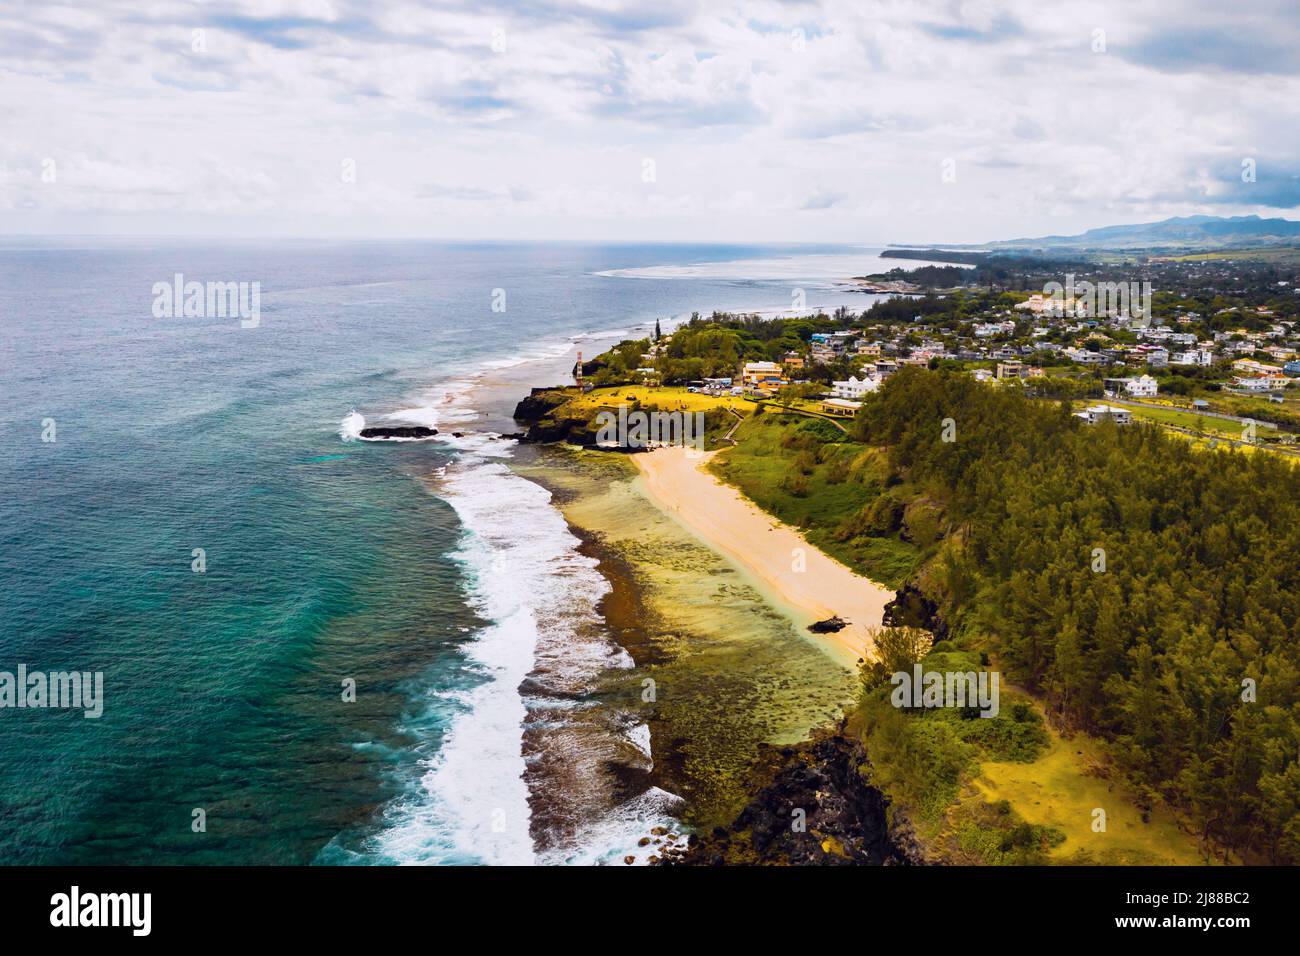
[{"x": 543, "y": 648}]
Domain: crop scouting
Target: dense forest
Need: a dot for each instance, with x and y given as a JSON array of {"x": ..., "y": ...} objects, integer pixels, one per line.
[{"x": 1146, "y": 590}]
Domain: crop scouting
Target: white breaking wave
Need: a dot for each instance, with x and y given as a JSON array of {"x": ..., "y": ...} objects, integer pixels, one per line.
[
  {"x": 475, "y": 800},
  {"x": 354, "y": 421},
  {"x": 415, "y": 416},
  {"x": 613, "y": 837},
  {"x": 527, "y": 578},
  {"x": 639, "y": 736},
  {"x": 350, "y": 427}
]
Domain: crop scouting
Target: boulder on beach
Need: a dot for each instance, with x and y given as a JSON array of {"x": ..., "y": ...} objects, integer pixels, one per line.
[{"x": 828, "y": 626}]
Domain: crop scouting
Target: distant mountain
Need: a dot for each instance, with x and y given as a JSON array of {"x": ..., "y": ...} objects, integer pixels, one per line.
[{"x": 1199, "y": 232}]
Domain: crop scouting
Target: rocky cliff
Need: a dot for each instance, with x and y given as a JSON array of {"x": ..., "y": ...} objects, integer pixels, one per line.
[{"x": 816, "y": 809}]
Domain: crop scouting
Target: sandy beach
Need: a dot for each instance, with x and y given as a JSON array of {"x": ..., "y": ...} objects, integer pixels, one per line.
[{"x": 675, "y": 479}]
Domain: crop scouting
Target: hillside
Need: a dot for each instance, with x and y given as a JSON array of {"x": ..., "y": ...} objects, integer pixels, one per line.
[{"x": 1185, "y": 232}]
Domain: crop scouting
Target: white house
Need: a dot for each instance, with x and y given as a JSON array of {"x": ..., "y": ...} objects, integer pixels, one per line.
[
  {"x": 1084, "y": 357},
  {"x": 1260, "y": 384},
  {"x": 841, "y": 407},
  {"x": 1142, "y": 387},
  {"x": 1100, "y": 413},
  {"x": 855, "y": 388}
]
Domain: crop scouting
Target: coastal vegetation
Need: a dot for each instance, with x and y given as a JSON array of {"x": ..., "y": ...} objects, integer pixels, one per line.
[
  {"x": 1179, "y": 648},
  {"x": 815, "y": 477},
  {"x": 1134, "y": 586}
]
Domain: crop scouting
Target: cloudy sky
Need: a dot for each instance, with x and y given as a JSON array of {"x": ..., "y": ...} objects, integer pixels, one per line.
[{"x": 780, "y": 121}]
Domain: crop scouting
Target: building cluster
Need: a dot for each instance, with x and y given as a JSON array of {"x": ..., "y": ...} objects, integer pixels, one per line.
[
  {"x": 1013, "y": 345},
  {"x": 1261, "y": 360}
]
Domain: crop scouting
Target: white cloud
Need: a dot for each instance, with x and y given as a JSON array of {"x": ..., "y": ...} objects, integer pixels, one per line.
[{"x": 784, "y": 121}]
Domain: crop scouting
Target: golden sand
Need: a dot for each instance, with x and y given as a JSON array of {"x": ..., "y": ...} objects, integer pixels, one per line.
[{"x": 805, "y": 582}]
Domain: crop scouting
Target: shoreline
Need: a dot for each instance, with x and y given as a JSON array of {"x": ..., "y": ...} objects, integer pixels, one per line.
[
  {"x": 733, "y": 672},
  {"x": 721, "y": 517}
]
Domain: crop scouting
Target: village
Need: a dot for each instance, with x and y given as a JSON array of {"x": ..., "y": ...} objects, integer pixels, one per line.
[{"x": 1232, "y": 376}]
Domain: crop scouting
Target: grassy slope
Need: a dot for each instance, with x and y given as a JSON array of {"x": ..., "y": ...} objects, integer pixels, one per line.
[
  {"x": 720, "y": 411},
  {"x": 1063, "y": 787},
  {"x": 1200, "y": 423}
]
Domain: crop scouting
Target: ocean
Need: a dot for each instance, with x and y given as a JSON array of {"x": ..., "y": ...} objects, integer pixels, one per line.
[{"x": 315, "y": 648}]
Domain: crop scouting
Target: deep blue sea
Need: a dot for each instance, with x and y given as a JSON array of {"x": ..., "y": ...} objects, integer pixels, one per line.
[{"x": 425, "y": 572}]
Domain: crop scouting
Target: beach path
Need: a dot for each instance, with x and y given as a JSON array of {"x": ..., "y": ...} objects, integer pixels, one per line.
[{"x": 675, "y": 479}]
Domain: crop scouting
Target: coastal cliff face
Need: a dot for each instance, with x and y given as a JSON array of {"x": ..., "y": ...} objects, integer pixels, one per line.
[
  {"x": 539, "y": 403},
  {"x": 543, "y": 412},
  {"x": 844, "y": 822}
]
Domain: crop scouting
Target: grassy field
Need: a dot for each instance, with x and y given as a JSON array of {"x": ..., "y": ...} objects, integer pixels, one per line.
[
  {"x": 1204, "y": 424},
  {"x": 667, "y": 398},
  {"x": 1280, "y": 255},
  {"x": 1209, "y": 431},
  {"x": 721, "y": 413},
  {"x": 1065, "y": 786},
  {"x": 1253, "y": 406}
]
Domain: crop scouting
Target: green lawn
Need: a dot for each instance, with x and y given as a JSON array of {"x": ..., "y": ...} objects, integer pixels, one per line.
[{"x": 1186, "y": 419}]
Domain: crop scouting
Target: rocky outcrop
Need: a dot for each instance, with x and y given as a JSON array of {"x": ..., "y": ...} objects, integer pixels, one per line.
[
  {"x": 398, "y": 431},
  {"x": 816, "y": 809},
  {"x": 575, "y": 431},
  {"x": 911, "y": 607},
  {"x": 539, "y": 403},
  {"x": 547, "y": 422}
]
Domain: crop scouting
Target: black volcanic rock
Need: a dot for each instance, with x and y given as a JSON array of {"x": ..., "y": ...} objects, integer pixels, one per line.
[
  {"x": 828, "y": 626},
  {"x": 843, "y": 820},
  {"x": 399, "y": 431},
  {"x": 911, "y": 607},
  {"x": 546, "y": 430},
  {"x": 539, "y": 403}
]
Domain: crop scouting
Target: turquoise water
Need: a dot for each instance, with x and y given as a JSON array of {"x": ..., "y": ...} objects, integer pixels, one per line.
[{"x": 326, "y": 559}]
